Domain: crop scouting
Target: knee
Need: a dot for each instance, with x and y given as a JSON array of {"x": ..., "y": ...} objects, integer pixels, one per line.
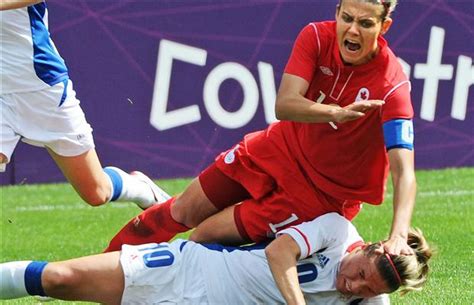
[
  {"x": 192, "y": 207},
  {"x": 3, "y": 158},
  {"x": 181, "y": 212},
  {"x": 190, "y": 211},
  {"x": 58, "y": 279}
]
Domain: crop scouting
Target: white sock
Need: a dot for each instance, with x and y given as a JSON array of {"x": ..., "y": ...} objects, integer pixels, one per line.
[
  {"x": 126, "y": 187},
  {"x": 12, "y": 276}
]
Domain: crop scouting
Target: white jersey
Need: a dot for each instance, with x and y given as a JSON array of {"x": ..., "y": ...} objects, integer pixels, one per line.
[
  {"x": 29, "y": 60},
  {"x": 230, "y": 275}
]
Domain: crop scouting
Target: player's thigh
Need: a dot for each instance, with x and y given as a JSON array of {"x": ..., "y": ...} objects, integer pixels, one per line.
[
  {"x": 219, "y": 228},
  {"x": 97, "y": 278},
  {"x": 211, "y": 192}
]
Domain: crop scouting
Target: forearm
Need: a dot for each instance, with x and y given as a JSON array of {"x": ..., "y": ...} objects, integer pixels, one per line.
[
  {"x": 404, "y": 186},
  {"x": 297, "y": 108},
  {"x": 282, "y": 255},
  {"x": 284, "y": 273},
  {"x": 14, "y": 4}
]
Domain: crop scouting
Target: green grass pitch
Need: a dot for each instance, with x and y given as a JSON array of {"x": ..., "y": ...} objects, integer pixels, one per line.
[{"x": 50, "y": 222}]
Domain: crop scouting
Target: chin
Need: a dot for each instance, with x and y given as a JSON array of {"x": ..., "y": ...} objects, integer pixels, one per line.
[
  {"x": 349, "y": 58},
  {"x": 353, "y": 60}
]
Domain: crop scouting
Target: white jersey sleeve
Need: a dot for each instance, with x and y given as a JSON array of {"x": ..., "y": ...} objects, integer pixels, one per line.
[
  {"x": 328, "y": 230},
  {"x": 382, "y": 299}
]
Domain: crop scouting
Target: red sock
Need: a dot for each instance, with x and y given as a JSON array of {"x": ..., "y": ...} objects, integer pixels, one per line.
[{"x": 155, "y": 224}]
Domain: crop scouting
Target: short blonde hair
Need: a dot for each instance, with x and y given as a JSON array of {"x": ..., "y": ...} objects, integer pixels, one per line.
[{"x": 414, "y": 269}]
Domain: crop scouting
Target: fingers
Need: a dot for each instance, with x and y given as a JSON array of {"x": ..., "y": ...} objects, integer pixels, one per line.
[
  {"x": 407, "y": 251},
  {"x": 349, "y": 115},
  {"x": 356, "y": 110},
  {"x": 397, "y": 247},
  {"x": 365, "y": 106},
  {"x": 353, "y": 115}
]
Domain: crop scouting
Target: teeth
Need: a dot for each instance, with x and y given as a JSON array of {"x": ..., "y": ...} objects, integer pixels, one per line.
[{"x": 351, "y": 41}]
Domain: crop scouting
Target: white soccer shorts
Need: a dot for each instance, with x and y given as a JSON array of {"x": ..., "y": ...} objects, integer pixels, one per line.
[
  {"x": 162, "y": 273},
  {"x": 38, "y": 119}
]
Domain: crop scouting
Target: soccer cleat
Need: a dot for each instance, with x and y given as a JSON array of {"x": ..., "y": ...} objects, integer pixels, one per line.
[{"x": 159, "y": 194}]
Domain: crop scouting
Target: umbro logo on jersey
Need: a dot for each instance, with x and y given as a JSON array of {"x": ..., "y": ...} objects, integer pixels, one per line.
[
  {"x": 326, "y": 70},
  {"x": 323, "y": 260},
  {"x": 362, "y": 95},
  {"x": 230, "y": 157}
]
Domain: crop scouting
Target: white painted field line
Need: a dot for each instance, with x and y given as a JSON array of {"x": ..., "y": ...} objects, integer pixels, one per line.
[
  {"x": 64, "y": 207},
  {"x": 68, "y": 207},
  {"x": 442, "y": 193}
]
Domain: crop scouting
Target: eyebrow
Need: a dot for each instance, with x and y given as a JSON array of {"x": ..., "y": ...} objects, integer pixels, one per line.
[{"x": 360, "y": 19}]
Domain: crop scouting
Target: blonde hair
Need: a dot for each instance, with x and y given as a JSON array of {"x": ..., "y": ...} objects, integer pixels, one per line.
[
  {"x": 413, "y": 269},
  {"x": 405, "y": 272}
]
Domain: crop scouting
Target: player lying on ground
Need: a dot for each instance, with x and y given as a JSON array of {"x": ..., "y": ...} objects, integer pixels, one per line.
[{"x": 319, "y": 262}]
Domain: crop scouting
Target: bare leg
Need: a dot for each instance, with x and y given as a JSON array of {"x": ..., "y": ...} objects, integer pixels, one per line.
[
  {"x": 97, "y": 278},
  {"x": 162, "y": 222},
  {"x": 192, "y": 206},
  {"x": 219, "y": 228},
  {"x": 85, "y": 174},
  {"x": 3, "y": 162}
]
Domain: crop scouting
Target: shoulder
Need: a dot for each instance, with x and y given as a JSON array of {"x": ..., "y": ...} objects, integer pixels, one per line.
[
  {"x": 319, "y": 30},
  {"x": 392, "y": 69}
]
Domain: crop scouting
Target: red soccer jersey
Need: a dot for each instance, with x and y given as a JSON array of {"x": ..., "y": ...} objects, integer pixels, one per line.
[{"x": 349, "y": 162}]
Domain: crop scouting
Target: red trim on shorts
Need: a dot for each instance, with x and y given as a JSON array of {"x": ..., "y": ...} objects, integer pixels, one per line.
[
  {"x": 305, "y": 239},
  {"x": 239, "y": 223},
  {"x": 358, "y": 243},
  {"x": 221, "y": 190}
]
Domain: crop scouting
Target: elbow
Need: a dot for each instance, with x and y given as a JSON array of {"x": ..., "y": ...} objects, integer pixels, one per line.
[
  {"x": 269, "y": 252},
  {"x": 282, "y": 107},
  {"x": 272, "y": 252},
  {"x": 279, "y": 116},
  {"x": 279, "y": 112}
]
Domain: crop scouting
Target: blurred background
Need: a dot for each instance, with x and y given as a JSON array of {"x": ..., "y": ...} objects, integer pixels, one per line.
[{"x": 143, "y": 69}]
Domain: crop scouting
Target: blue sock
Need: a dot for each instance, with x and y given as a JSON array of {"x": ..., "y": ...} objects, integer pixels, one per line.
[
  {"x": 33, "y": 278},
  {"x": 117, "y": 182}
]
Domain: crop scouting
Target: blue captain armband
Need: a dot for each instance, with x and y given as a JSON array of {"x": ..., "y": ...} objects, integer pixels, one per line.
[{"x": 398, "y": 133}]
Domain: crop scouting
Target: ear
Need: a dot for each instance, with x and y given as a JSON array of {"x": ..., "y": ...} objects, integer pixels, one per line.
[{"x": 386, "y": 25}]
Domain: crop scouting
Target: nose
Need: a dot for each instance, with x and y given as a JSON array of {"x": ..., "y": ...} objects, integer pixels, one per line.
[
  {"x": 353, "y": 29},
  {"x": 357, "y": 287}
]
